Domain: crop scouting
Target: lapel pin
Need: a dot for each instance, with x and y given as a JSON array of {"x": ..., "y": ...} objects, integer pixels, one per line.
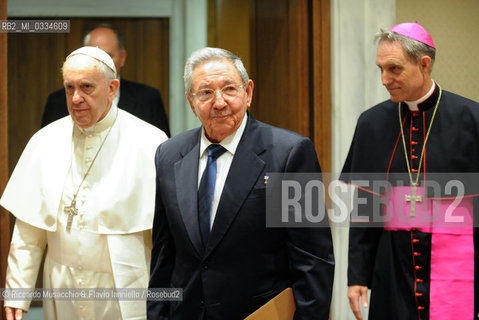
[{"x": 266, "y": 179}]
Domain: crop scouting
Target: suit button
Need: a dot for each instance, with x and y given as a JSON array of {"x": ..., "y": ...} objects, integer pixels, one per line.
[{"x": 202, "y": 302}]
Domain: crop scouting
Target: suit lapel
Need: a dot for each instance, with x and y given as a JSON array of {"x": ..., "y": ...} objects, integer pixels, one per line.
[
  {"x": 127, "y": 101},
  {"x": 186, "y": 173},
  {"x": 243, "y": 174}
]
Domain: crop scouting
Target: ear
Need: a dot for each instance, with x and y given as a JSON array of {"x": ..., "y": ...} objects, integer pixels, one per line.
[
  {"x": 190, "y": 101},
  {"x": 249, "y": 92},
  {"x": 113, "y": 88},
  {"x": 425, "y": 63}
]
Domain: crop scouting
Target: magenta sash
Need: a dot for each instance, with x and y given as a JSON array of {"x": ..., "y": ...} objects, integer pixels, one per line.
[{"x": 450, "y": 223}]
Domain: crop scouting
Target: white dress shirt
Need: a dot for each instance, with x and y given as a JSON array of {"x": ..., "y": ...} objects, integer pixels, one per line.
[{"x": 223, "y": 163}]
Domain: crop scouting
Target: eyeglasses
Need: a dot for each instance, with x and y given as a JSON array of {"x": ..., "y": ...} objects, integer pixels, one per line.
[{"x": 228, "y": 92}]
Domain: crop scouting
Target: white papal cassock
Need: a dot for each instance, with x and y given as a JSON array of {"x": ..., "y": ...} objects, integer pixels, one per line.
[{"x": 108, "y": 245}]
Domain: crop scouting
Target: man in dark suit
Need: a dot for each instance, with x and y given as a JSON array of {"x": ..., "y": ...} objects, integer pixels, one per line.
[
  {"x": 232, "y": 264},
  {"x": 138, "y": 99}
]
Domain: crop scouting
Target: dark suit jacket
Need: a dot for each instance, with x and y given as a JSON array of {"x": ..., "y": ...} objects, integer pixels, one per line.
[
  {"x": 138, "y": 99},
  {"x": 244, "y": 264}
]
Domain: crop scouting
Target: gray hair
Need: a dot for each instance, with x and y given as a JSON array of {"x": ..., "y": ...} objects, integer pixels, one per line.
[
  {"x": 210, "y": 54},
  {"x": 413, "y": 49},
  {"x": 100, "y": 66}
]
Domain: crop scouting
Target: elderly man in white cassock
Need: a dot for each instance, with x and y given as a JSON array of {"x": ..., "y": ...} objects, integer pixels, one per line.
[{"x": 84, "y": 187}]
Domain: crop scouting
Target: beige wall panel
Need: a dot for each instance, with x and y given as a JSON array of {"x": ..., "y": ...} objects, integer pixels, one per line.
[{"x": 454, "y": 26}]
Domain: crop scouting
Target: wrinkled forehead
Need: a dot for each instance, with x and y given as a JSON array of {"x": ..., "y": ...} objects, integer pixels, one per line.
[{"x": 217, "y": 68}]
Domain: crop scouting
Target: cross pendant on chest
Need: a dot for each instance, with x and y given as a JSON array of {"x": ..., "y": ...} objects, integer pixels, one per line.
[
  {"x": 71, "y": 211},
  {"x": 413, "y": 198}
]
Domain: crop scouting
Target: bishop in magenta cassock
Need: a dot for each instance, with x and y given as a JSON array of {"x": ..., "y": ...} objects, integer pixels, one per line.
[{"x": 415, "y": 270}]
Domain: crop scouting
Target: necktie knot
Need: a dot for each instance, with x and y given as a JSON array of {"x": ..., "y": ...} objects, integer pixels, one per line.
[{"x": 215, "y": 150}]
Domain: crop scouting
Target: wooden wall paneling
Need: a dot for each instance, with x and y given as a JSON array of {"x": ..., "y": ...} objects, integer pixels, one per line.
[
  {"x": 290, "y": 54},
  {"x": 74, "y": 39},
  {"x": 299, "y": 78},
  {"x": 279, "y": 65},
  {"x": 229, "y": 27},
  {"x": 147, "y": 59},
  {"x": 271, "y": 92},
  {"x": 34, "y": 62},
  {"x": 321, "y": 30},
  {"x": 212, "y": 24},
  {"x": 4, "y": 215}
]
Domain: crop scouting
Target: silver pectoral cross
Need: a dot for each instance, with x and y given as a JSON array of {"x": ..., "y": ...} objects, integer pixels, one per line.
[
  {"x": 413, "y": 198},
  {"x": 71, "y": 211}
]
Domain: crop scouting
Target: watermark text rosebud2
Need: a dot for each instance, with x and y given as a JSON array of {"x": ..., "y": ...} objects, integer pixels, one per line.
[{"x": 370, "y": 200}]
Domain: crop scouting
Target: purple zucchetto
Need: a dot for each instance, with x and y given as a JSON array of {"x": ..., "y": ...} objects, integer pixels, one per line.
[{"x": 414, "y": 31}]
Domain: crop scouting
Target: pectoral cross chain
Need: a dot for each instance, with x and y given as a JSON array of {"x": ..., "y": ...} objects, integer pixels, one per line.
[
  {"x": 71, "y": 211},
  {"x": 413, "y": 198}
]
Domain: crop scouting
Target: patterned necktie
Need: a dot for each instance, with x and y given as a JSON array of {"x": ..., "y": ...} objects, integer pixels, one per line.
[{"x": 207, "y": 189}]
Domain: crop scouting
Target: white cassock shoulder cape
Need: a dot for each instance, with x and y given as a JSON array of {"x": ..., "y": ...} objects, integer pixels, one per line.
[{"x": 125, "y": 204}]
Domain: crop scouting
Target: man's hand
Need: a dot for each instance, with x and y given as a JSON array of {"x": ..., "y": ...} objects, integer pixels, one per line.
[
  {"x": 13, "y": 313},
  {"x": 354, "y": 293}
]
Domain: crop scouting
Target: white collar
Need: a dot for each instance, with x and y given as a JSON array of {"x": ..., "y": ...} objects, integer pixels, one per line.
[
  {"x": 230, "y": 143},
  {"x": 104, "y": 123},
  {"x": 413, "y": 105}
]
